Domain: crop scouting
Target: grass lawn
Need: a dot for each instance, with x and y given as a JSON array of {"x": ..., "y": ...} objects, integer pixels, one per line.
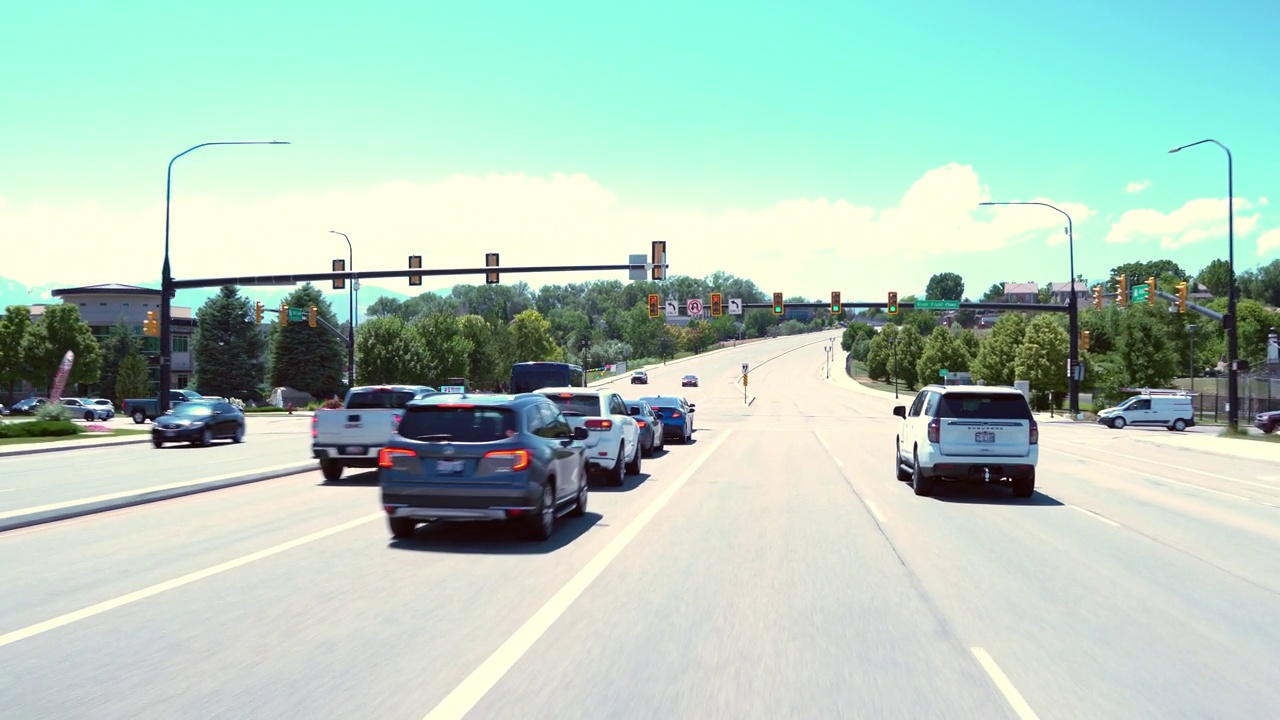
[
  {"x": 860, "y": 375},
  {"x": 122, "y": 432}
]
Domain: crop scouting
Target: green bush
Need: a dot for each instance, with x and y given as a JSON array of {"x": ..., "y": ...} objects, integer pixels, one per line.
[
  {"x": 53, "y": 412},
  {"x": 265, "y": 409},
  {"x": 40, "y": 428}
]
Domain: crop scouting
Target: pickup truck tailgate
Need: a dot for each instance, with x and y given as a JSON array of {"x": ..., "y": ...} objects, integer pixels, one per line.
[
  {"x": 984, "y": 425},
  {"x": 358, "y": 428}
]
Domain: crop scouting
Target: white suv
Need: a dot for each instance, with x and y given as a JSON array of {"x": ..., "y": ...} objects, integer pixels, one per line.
[
  {"x": 968, "y": 432},
  {"x": 613, "y": 441}
]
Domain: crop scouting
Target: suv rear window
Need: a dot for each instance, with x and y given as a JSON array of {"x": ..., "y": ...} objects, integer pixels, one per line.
[
  {"x": 378, "y": 399},
  {"x": 583, "y": 405},
  {"x": 993, "y": 406},
  {"x": 460, "y": 424}
]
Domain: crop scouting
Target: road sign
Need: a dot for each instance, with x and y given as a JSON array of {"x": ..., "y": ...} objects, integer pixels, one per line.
[
  {"x": 296, "y": 315},
  {"x": 745, "y": 368},
  {"x": 694, "y": 307},
  {"x": 673, "y": 308},
  {"x": 1140, "y": 293},
  {"x": 735, "y": 306},
  {"x": 638, "y": 273},
  {"x": 937, "y": 305},
  {"x": 745, "y": 381},
  {"x": 943, "y": 372}
]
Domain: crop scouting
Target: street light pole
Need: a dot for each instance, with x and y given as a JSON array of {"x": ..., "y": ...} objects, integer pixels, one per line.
[
  {"x": 1073, "y": 310},
  {"x": 351, "y": 313},
  {"x": 166, "y": 277},
  {"x": 1233, "y": 346}
]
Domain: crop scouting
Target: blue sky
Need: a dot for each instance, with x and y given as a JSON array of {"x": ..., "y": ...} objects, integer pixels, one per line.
[{"x": 810, "y": 147}]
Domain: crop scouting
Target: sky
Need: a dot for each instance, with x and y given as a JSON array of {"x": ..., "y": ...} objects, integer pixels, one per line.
[{"x": 810, "y": 147}]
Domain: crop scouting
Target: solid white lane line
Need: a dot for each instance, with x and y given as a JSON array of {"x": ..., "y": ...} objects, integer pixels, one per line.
[
  {"x": 875, "y": 511},
  {"x": 135, "y": 491},
  {"x": 472, "y": 690},
  {"x": 1181, "y": 468},
  {"x": 1004, "y": 685},
  {"x": 144, "y": 593},
  {"x": 1161, "y": 478},
  {"x": 1095, "y": 515}
]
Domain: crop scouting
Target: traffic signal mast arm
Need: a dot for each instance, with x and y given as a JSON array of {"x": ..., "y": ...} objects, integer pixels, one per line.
[
  {"x": 320, "y": 321},
  {"x": 1211, "y": 314}
]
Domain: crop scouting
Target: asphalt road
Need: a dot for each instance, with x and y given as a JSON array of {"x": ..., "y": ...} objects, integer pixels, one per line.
[
  {"x": 772, "y": 569},
  {"x": 36, "y": 480}
]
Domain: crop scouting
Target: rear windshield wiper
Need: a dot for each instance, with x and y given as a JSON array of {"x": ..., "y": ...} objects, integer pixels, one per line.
[{"x": 440, "y": 437}]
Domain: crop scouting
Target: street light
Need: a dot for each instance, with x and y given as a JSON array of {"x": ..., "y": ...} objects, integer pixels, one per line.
[
  {"x": 166, "y": 280},
  {"x": 1073, "y": 310},
  {"x": 352, "y": 302},
  {"x": 1233, "y": 347}
]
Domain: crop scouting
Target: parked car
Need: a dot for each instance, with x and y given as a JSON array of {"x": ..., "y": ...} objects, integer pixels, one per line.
[
  {"x": 199, "y": 422},
  {"x": 84, "y": 408},
  {"x": 650, "y": 426},
  {"x": 483, "y": 457},
  {"x": 144, "y": 409},
  {"x": 27, "y": 406},
  {"x": 676, "y": 414}
]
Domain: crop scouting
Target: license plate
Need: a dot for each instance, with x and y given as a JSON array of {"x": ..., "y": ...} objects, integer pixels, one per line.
[
  {"x": 449, "y": 467},
  {"x": 984, "y": 437},
  {"x": 353, "y": 450}
]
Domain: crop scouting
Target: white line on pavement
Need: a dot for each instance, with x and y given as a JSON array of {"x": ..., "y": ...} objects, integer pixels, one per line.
[
  {"x": 472, "y": 690},
  {"x": 871, "y": 508},
  {"x": 1004, "y": 685},
  {"x": 1182, "y": 468},
  {"x": 144, "y": 593},
  {"x": 1095, "y": 515},
  {"x": 1161, "y": 478},
  {"x": 875, "y": 511}
]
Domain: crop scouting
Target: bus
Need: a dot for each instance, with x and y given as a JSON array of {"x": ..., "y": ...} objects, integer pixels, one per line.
[{"x": 531, "y": 376}]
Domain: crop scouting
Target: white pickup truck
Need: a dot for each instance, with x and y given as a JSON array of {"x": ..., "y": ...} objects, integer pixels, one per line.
[{"x": 352, "y": 435}]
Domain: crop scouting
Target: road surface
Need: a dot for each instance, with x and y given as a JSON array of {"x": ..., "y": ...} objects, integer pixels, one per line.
[{"x": 774, "y": 568}]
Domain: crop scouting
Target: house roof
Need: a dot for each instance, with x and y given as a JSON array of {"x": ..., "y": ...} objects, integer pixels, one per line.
[
  {"x": 1016, "y": 288},
  {"x": 106, "y": 289},
  {"x": 1065, "y": 286}
]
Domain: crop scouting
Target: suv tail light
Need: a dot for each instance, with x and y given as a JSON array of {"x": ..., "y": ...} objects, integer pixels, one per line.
[
  {"x": 597, "y": 424},
  {"x": 314, "y": 432},
  {"x": 1035, "y": 433},
  {"x": 387, "y": 456},
  {"x": 935, "y": 430},
  {"x": 497, "y": 461}
]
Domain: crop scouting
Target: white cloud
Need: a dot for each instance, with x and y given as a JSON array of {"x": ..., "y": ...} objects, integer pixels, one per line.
[
  {"x": 1263, "y": 201},
  {"x": 805, "y": 244},
  {"x": 1137, "y": 187},
  {"x": 1268, "y": 241},
  {"x": 1202, "y": 219}
]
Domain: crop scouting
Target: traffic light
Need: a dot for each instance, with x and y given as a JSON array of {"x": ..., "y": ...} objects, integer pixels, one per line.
[
  {"x": 491, "y": 260},
  {"x": 1151, "y": 291},
  {"x": 257, "y": 313},
  {"x": 339, "y": 265},
  {"x": 1084, "y": 339},
  {"x": 836, "y": 307},
  {"x": 311, "y": 316},
  {"x": 655, "y": 305},
  {"x": 1097, "y": 297},
  {"x": 1123, "y": 296},
  {"x": 284, "y": 315},
  {"x": 893, "y": 303},
  {"x": 777, "y": 304},
  {"x": 659, "y": 260},
  {"x": 415, "y": 263},
  {"x": 1182, "y": 297},
  {"x": 717, "y": 304},
  {"x": 151, "y": 325}
]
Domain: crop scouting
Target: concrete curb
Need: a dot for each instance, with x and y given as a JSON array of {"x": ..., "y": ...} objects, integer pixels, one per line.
[
  {"x": 40, "y": 448},
  {"x": 28, "y": 517}
]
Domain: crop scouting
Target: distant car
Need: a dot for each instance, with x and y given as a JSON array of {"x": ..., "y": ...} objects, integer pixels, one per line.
[
  {"x": 483, "y": 457},
  {"x": 689, "y": 381},
  {"x": 86, "y": 409},
  {"x": 639, "y": 377},
  {"x": 676, "y": 414},
  {"x": 199, "y": 422},
  {"x": 27, "y": 406},
  {"x": 650, "y": 426}
]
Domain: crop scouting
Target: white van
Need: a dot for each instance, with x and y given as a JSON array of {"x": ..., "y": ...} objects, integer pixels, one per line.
[{"x": 1168, "y": 411}]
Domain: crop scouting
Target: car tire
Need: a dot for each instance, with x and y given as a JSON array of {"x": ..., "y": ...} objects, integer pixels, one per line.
[
  {"x": 543, "y": 525},
  {"x": 88, "y": 417},
  {"x": 139, "y": 417},
  {"x": 1179, "y": 425},
  {"x": 1118, "y": 424},
  {"x": 332, "y": 470},
  {"x": 402, "y": 528},
  {"x": 206, "y": 438},
  {"x": 633, "y": 467},
  {"x": 647, "y": 450},
  {"x": 580, "y": 505},
  {"x": 1024, "y": 487},
  {"x": 922, "y": 484},
  {"x": 618, "y": 473},
  {"x": 903, "y": 475},
  {"x": 239, "y": 436},
  {"x": 158, "y": 443}
]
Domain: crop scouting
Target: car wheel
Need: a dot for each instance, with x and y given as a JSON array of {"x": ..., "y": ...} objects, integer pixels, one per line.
[
  {"x": 206, "y": 438},
  {"x": 618, "y": 474},
  {"x": 1179, "y": 425},
  {"x": 88, "y": 417},
  {"x": 1024, "y": 487},
  {"x": 158, "y": 443},
  {"x": 239, "y": 436},
  {"x": 903, "y": 475},
  {"x": 543, "y": 525},
  {"x": 402, "y": 528},
  {"x": 921, "y": 483},
  {"x": 633, "y": 467},
  {"x": 332, "y": 470},
  {"x": 580, "y": 506},
  {"x": 647, "y": 450},
  {"x": 1118, "y": 423},
  {"x": 1269, "y": 429},
  {"x": 139, "y": 417}
]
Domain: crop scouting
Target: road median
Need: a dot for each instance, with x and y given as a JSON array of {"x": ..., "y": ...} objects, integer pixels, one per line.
[
  {"x": 54, "y": 512},
  {"x": 49, "y": 446}
]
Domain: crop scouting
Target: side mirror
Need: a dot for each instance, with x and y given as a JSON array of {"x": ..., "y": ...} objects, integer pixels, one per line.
[
  {"x": 580, "y": 433},
  {"x": 692, "y": 406},
  {"x": 658, "y": 414},
  {"x": 693, "y": 409},
  {"x": 900, "y": 410},
  {"x": 633, "y": 411}
]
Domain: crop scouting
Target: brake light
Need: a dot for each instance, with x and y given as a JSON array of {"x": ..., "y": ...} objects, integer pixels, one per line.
[
  {"x": 1035, "y": 433},
  {"x": 599, "y": 424},
  {"x": 675, "y": 414},
  {"x": 642, "y": 423},
  {"x": 387, "y": 456},
  {"x": 519, "y": 458},
  {"x": 314, "y": 432},
  {"x": 566, "y": 395},
  {"x": 935, "y": 430}
]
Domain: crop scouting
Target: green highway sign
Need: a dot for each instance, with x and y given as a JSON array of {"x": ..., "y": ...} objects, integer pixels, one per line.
[
  {"x": 943, "y": 372},
  {"x": 937, "y": 305},
  {"x": 1140, "y": 293},
  {"x": 296, "y": 315}
]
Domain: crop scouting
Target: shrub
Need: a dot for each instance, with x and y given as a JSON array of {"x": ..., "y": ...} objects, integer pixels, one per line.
[
  {"x": 40, "y": 428},
  {"x": 237, "y": 403},
  {"x": 53, "y": 412},
  {"x": 333, "y": 404}
]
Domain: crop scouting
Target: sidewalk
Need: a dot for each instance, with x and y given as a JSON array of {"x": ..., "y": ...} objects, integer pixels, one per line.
[{"x": 49, "y": 446}]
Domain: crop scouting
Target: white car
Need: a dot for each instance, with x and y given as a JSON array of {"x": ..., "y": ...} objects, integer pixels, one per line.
[
  {"x": 968, "y": 433},
  {"x": 613, "y": 441}
]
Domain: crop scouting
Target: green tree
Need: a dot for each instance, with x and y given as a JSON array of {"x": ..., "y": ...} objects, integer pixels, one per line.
[
  {"x": 971, "y": 345},
  {"x": 486, "y": 358},
  {"x": 880, "y": 358},
  {"x": 120, "y": 341},
  {"x": 1216, "y": 277},
  {"x": 1041, "y": 359},
  {"x": 388, "y": 351},
  {"x": 853, "y": 333},
  {"x": 1137, "y": 273},
  {"x": 945, "y": 286},
  {"x": 943, "y": 350},
  {"x": 995, "y": 293},
  {"x": 229, "y": 349},
  {"x": 697, "y": 336},
  {"x": 131, "y": 376},
  {"x": 642, "y": 332},
  {"x": 531, "y": 338},
  {"x": 1144, "y": 348},
  {"x": 15, "y": 326},
  {"x": 60, "y": 330},
  {"x": 447, "y": 351},
  {"x": 306, "y": 358},
  {"x": 999, "y": 351},
  {"x": 910, "y": 348}
]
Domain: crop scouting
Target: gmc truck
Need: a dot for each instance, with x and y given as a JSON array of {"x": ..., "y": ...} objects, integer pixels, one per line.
[{"x": 352, "y": 435}]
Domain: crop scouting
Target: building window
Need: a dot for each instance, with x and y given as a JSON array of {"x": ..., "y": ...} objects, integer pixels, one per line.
[
  {"x": 182, "y": 381},
  {"x": 102, "y": 304},
  {"x": 150, "y": 344},
  {"x": 181, "y": 344}
]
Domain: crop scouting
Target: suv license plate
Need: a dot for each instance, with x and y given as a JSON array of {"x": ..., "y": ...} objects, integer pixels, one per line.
[
  {"x": 984, "y": 437},
  {"x": 449, "y": 467},
  {"x": 353, "y": 450}
]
